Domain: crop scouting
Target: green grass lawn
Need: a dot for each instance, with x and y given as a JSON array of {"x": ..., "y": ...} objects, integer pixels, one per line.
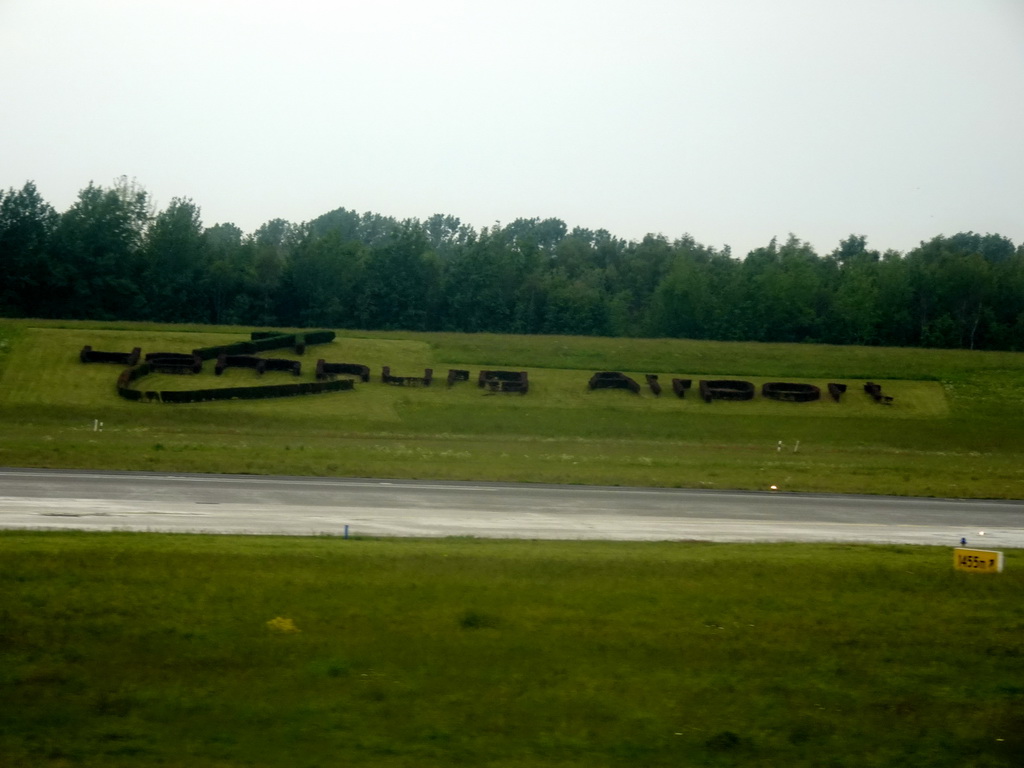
[
  {"x": 133, "y": 649},
  {"x": 139, "y": 650},
  {"x": 955, "y": 428}
]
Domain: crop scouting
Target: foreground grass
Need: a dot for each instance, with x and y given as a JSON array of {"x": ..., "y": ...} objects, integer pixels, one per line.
[
  {"x": 956, "y": 427},
  {"x": 136, "y": 649}
]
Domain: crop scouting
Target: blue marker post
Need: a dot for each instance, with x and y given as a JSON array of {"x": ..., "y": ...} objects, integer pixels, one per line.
[{"x": 346, "y": 531}]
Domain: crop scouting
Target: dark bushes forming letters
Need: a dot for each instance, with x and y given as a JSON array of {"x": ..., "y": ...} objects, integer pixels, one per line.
[
  {"x": 325, "y": 370},
  {"x": 793, "y": 393},
  {"x": 875, "y": 390},
  {"x": 613, "y": 380},
  {"x": 679, "y": 386},
  {"x": 175, "y": 362},
  {"x": 253, "y": 393},
  {"x": 90, "y": 355},
  {"x": 230, "y": 355},
  {"x": 263, "y": 341},
  {"x": 240, "y": 354},
  {"x": 407, "y": 381},
  {"x": 504, "y": 381},
  {"x": 259, "y": 364},
  {"x": 836, "y": 390},
  {"x": 456, "y": 374},
  {"x": 726, "y": 389}
]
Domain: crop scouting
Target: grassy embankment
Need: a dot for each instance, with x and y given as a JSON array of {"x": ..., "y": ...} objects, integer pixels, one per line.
[
  {"x": 138, "y": 650},
  {"x": 956, "y": 427}
]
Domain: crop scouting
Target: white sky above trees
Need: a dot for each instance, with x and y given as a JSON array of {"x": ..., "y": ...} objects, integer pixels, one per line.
[{"x": 731, "y": 120}]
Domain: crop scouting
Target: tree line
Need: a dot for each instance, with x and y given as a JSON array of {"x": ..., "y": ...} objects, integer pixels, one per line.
[{"x": 112, "y": 256}]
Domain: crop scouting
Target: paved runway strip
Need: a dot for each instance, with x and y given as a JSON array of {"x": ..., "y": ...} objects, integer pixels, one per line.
[{"x": 55, "y": 499}]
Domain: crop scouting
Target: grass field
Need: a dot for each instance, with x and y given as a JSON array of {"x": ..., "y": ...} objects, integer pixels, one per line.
[
  {"x": 956, "y": 427},
  {"x": 135, "y": 649},
  {"x": 142, "y": 650}
]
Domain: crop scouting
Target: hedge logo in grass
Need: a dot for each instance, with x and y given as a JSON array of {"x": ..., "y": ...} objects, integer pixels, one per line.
[{"x": 243, "y": 354}]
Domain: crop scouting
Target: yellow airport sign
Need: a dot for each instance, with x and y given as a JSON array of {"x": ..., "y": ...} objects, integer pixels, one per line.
[{"x": 978, "y": 560}]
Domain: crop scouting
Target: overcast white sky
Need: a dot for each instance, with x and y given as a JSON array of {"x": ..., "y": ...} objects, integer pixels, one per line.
[{"x": 732, "y": 120}]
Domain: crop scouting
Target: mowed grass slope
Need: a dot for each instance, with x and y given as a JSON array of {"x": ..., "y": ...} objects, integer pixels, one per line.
[
  {"x": 956, "y": 427},
  {"x": 136, "y": 649}
]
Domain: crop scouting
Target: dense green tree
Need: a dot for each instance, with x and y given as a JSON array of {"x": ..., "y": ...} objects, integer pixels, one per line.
[
  {"x": 636, "y": 275},
  {"x": 995, "y": 249},
  {"x": 378, "y": 231},
  {"x": 481, "y": 281},
  {"x": 322, "y": 282},
  {"x": 1006, "y": 325},
  {"x": 99, "y": 242},
  {"x": 898, "y": 314},
  {"x": 399, "y": 290},
  {"x": 266, "y": 254},
  {"x": 27, "y": 225},
  {"x": 176, "y": 265},
  {"x": 222, "y": 283},
  {"x": 341, "y": 222},
  {"x": 574, "y": 254},
  {"x": 109, "y": 257},
  {"x": 543, "y": 234},
  {"x": 447, "y": 235},
  {"x": 953, "y": 285},
  {"x": 772, "y": 309},
  {"x": 685, "y": 303},
  {"x": 575, "y": 306},
  {"x": 856, "y": 313}
]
